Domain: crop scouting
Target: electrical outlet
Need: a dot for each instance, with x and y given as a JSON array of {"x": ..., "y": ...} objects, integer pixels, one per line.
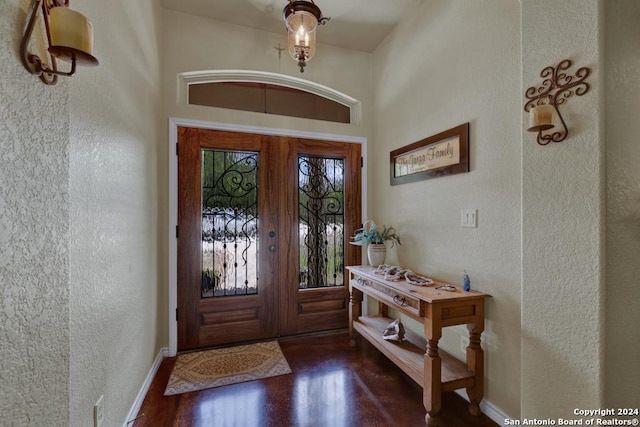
[{"x": 98, "y": 412}]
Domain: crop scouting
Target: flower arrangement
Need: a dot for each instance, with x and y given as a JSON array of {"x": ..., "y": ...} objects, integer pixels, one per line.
[{"x": 371, "y": 233}]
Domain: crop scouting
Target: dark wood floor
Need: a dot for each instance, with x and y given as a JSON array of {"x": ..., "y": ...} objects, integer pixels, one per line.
[{"x": 332, "y": 384}]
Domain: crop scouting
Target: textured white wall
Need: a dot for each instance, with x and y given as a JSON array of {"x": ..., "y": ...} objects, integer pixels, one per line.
[
  {"x": 623, "y": 203},
  {"x": 78, "y": 222},
  {"x": 563, "y": 221},
  {"x": 34, "y": 235},
  {"x": 115, "y": 133},
  {"x": 452, "y": 62}
]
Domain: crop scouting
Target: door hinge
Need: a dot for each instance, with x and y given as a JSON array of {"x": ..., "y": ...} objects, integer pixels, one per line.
[
  {"x": 361, "y": 162},
  {"x": 176, "y": 148},
  {"x": 176, "y": 314},
  {"x": 177, "y": 231}
]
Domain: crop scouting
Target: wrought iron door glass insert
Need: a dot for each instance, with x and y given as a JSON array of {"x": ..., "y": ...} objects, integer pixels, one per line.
[
  {"x": 321, "y": 222},
  {"x": 229, "y": 223}
]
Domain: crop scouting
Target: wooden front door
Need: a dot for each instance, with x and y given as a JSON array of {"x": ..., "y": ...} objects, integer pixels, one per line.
[{"x": 264, "y": 223}]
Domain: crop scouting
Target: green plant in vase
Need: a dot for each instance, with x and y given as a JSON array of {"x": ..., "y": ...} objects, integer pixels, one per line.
[{"x": 375, "y": 237}]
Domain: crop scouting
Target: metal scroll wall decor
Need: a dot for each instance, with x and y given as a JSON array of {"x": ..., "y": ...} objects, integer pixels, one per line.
[{"x": 543, "y": 101}]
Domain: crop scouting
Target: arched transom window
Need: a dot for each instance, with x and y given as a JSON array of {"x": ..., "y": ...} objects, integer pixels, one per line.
[{"x": 268, "y": 93}]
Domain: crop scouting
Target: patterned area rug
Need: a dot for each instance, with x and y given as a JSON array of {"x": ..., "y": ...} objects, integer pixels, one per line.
[{"x": 223, "y": 366}]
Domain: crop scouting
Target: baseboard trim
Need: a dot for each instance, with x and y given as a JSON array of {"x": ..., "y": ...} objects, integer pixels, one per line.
[
  {"x": 137, "y": 404},
  {"x": 487, "y": 408}
]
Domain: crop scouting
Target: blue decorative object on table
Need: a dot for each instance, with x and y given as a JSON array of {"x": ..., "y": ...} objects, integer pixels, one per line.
[{"x": 466, "y": 282}]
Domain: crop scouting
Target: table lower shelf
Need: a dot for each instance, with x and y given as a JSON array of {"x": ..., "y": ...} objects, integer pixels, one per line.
[{"x": 409, "y": 355}]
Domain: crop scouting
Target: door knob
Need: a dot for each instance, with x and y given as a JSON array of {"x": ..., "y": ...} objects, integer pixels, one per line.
[{"x": 272, "y": 248}]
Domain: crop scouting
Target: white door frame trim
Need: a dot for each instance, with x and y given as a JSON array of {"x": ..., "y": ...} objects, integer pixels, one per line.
[{"x": 174, "y": 123}]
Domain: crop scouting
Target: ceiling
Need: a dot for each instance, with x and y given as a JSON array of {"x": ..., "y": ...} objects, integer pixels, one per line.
[{"x": 355, "y": 24}]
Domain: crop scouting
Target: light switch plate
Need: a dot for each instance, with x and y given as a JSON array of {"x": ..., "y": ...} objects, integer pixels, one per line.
[{"x": 470, "y": 218}]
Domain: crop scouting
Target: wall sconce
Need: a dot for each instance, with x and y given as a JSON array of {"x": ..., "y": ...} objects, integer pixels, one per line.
[
  {"x": 69, "y": 37},
  {"x": 543, "y": 101},
  {"x": 302, "y": 18}
]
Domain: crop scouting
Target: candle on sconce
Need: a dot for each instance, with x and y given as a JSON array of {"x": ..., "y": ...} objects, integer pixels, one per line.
[
  {"x": 541, "y": 118},
  {"x": 71, "y": 29}
]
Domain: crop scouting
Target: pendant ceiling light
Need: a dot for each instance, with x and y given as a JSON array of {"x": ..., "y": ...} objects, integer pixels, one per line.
[{"x": 302, "y": 17}]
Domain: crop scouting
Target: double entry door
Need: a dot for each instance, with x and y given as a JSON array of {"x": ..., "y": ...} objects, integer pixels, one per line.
[{"x": 263, "y": 230}]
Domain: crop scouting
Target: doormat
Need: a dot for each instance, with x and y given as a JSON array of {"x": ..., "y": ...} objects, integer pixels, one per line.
[{"x": 223, "y": 366}]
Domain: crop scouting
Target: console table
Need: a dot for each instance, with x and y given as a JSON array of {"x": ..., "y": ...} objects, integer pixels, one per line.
[{"x": 434, "y": 370}]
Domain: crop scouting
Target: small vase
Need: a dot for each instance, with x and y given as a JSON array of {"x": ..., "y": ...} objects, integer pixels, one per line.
[{"x": 376, "y": 252}]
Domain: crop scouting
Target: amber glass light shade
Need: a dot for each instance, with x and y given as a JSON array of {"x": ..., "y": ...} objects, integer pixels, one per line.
[
  {"x": 302, "y": 18},
  {"x": 301, "y": 30}
]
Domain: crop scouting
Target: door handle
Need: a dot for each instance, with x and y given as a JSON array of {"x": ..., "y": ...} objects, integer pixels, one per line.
[{"x": 401, "y": 301}]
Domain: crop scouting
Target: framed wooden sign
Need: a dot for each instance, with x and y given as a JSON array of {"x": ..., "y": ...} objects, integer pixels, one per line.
[{"x": 446, "y": 153}]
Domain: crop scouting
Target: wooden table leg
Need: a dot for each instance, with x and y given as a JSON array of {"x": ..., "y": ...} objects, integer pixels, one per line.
[
  {"x": 475, "y": 364},
  {"x": 432, "y": 389},
  {"x": 355, "y": 311},
  {"x": 432, "y": 393}
]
